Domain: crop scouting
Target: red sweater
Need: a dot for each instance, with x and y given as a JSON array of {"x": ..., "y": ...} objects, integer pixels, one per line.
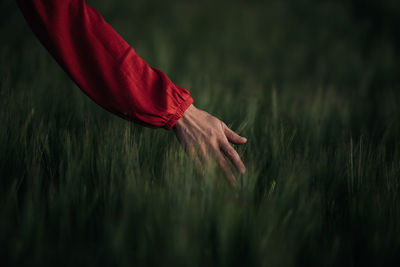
[{"x": 103, "y": 65}]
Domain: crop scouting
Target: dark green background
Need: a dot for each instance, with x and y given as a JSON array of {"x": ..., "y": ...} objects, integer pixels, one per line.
[{"x": 313, "y": 85}]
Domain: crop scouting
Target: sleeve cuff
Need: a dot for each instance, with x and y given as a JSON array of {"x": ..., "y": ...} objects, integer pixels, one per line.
[{"x": 180, "y": 110}]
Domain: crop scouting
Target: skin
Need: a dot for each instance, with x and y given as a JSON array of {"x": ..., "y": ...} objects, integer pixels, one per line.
[{"x": 205, "y": 138}]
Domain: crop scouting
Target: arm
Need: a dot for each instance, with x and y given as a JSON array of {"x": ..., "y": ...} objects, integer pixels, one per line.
[
  {"x": 103, "y": 65},
  {"x": 109, "y": 71}
]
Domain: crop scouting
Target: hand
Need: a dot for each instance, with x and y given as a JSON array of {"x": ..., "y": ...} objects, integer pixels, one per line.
[{"x": 203, "y": 135}]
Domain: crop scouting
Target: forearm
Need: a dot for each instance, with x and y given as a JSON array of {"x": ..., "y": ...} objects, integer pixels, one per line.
[{"x": 103, "y": 65}]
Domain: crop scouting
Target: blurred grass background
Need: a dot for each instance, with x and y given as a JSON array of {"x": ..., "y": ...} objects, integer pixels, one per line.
[{"x": 313, "y": 85}]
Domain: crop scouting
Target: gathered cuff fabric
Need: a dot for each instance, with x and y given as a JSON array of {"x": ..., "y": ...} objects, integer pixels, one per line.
[{"x": 179, "y": 112}]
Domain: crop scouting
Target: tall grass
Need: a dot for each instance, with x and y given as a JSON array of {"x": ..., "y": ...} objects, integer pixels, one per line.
[{"x": 320, "y": 111}]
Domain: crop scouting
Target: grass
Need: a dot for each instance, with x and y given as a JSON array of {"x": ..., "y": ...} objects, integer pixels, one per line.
[{"x": 314, "y": 88}]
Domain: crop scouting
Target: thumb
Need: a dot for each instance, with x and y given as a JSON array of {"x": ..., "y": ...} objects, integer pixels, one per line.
[{"x": 234, "y": 137}]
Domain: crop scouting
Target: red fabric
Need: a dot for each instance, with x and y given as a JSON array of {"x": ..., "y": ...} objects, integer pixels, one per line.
[{"x": 103, "y": 65}]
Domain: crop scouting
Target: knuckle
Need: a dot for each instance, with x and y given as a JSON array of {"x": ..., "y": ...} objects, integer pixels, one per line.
[{"x": 231, "y": 153}]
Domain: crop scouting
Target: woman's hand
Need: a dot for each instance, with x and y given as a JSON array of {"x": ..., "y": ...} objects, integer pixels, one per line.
[{"x": 203, "y": 135}]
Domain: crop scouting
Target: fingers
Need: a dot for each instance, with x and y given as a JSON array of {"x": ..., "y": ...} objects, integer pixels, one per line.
[
  {"x": 198, "y": 163},
  {"x": 234, "y": 137},
  {"x": 201, "y": 152},
  {"x": 207, "y": 138},
  {"x": 231, "y": 153},
  {"x": 204, "y": 155},
  {"x": 191, "y": 151},
  {"x": 225, "y": 168},
  {"x": 200, "y": 158}
]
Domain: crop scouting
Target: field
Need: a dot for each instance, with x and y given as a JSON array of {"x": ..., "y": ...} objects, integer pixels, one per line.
[{"x": 313, "y": 85}]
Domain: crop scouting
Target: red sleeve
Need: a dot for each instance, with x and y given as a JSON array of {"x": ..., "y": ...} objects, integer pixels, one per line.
[{"x": 103, "y": 65}]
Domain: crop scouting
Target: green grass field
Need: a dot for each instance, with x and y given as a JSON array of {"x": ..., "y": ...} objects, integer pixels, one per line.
[{"x": 313, "y": 85}]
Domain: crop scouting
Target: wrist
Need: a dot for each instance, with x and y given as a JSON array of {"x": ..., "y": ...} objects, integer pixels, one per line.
[{"x": 186, "y": 115}]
